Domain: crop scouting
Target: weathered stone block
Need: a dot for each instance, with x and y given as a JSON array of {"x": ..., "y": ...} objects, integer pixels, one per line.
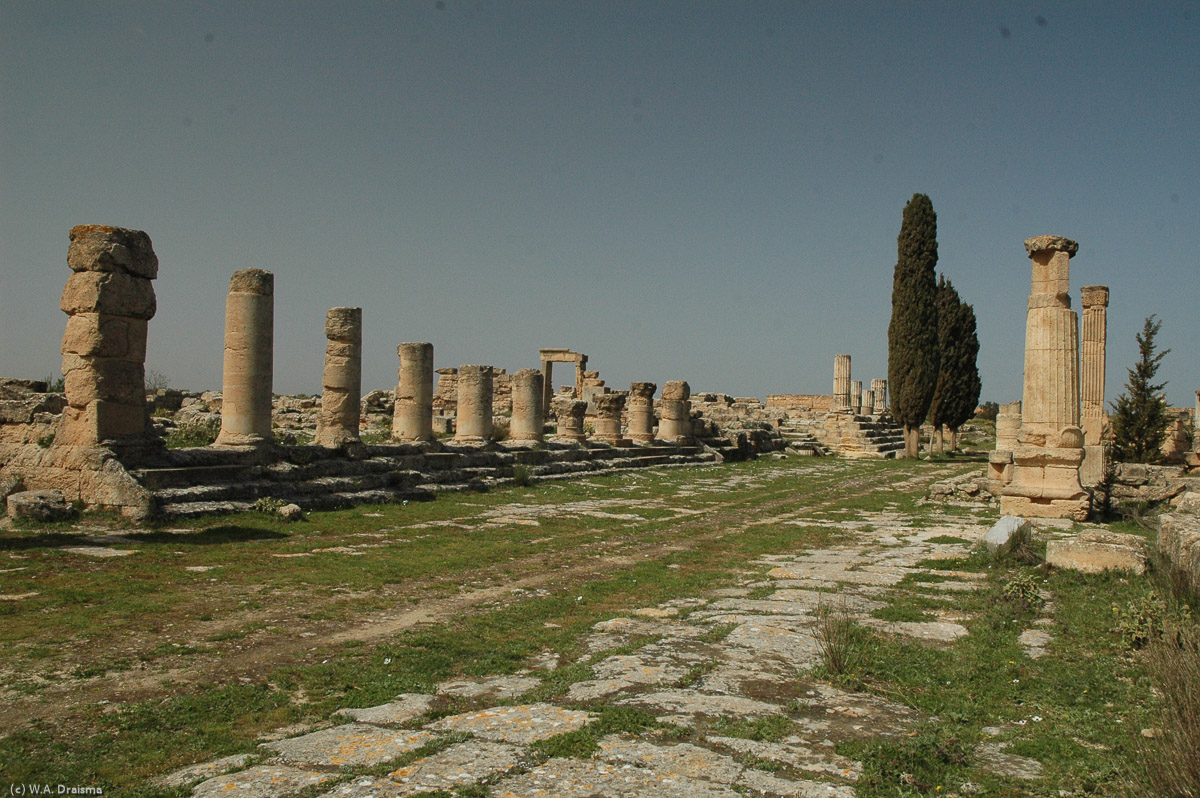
[
  {"x": 40, "y": 505},
  {"x": 1095, "y": 552},
  {"x": 97, "y": 335},
  {"x": 114, "y": 293},
  {"x": 1004, "y": 529},
  {"x": 98, "y": 248},
  {"x": 1179, "y": 541},
  {"x": 119, "y": 380}
]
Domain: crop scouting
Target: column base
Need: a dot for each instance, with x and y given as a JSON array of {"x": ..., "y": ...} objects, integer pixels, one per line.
[{"x": 1045, "y": 484}]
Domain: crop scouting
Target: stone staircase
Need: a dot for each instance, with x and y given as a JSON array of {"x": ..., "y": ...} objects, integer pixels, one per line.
[
  {"x": 861, "y": 437},
  {"x": 212, "y": 480},
  {"x": 801, "y": 435}
]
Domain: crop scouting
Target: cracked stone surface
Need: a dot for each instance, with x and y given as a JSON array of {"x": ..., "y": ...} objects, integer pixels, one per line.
[
  {"x": 349, "y": 744},
  {"x": 584, "y": 778},
  {"x": 495, "y": 688},
  {"x": 795, "y": 755},
  {"x": 204, "y": 770},
  {"x": 458, "y": 765},
  {"x": 405, "y": 708},
  {"x": 262, "y": 781},
  {"x": 991, "y": 757},
  {"x": 520, "y": 724}
]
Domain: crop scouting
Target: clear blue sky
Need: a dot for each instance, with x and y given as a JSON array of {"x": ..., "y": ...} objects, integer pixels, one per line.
[{"x": 705, "y": 191}]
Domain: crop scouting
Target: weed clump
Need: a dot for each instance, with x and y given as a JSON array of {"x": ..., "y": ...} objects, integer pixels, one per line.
[
  {"x": 198, "y": 433},
  {"x": 1170, "y": 756},
  {"x": 1021, "y": 593},
  {"x": 841, "y": 641},
  {"x": 522, "y": 476}
]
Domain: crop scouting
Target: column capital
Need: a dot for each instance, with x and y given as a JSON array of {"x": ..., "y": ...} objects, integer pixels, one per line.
[{"x": 1053, "y": 243}]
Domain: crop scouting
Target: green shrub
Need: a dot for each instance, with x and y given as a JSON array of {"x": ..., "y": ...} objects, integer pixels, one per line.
[
  {"x": 198, "y": 433},
  {"x": 522, "y": 476},
  {"x": 1022, "y": 594}
]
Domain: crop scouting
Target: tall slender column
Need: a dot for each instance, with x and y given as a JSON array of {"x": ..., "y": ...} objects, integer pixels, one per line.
[
  {"x": 675, "y": 426},
  {"x": 110, "y": 300},
  {"x": 856, "y": 398},
  {"x": 640, "y": 409},
  {"x": 341, "y": 380},
  {"x": 608, "y": 418},
  {"x": 570, "y": 413},
  {"x": 841, "y": 382},
  {"x": 527, "y": 421},
  {"x": 1091, "y": 383},
  {"x": 547, "y": 384},
  {"x": 249, "y": 349},
  {"x": 1049, "y": 449},
  {"x": 474, "y": 404},
  {"x": 412, "y": 417}
]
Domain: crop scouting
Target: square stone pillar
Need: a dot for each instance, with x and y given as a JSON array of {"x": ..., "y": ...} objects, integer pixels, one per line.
[{"x": 110, "y": 299}]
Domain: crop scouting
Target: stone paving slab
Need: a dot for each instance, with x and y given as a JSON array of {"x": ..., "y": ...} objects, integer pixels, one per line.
[
  {"x": 800, "y": 649},
  {"x": 521, "y": 725},
  {"x": 764, "y": 783},
  {"x": 465, "y": 763},
  {"x": 366, "y": 787},
  {"x": 593, "y": 689},
  {"x": 407, "y": 707},
  {"x": 681, "y": 703},
  {"x": 495, "y": 688},
  {"x": 203, "y": 770},
  {"x": 261, "y": 781},
  {"x": 936, "y": 631},
  {"x": 795, "y": 755},
  {"x": 576, "y": 778},
  {"x": 855, "y": 714},
  {"x": 350, "y": 744},
  {"x": 682, "y": 762}
]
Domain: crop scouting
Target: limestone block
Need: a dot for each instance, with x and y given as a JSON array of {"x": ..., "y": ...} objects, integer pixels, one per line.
[
  {"x": 118, "y": 380},
  {"x": 97, "y": 248},
  {"x": 1004, "y": 529},
  {"x": 1095, "y": 552},
  {"x": 677, "y": 390},
  {"x": 1187, "y": 502},
  {"x": 40, "y": 505},
  {"x": 101, "y": 420},
  {"x": 114, "y": 293},
  {"x": 1179, "y": 541},
  {"x": 101, "y": 335}
]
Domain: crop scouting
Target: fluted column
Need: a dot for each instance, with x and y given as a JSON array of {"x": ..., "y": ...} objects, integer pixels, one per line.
[
  {"x": 474, "y": 404},
  {"x": 527, "y": 422},
  {"x": 868, "y": 402},
  {"x": 341, "y": 380},
  {"x": 1045, "y": 478},
  {"x": 249, "y": 352},
  {"x": 856, "y": 398},
  {"x": 880, "y": 389},
  {"x": 1094, "y": 342},
  {"x": 841, "y": 382},
  {"x": 412, "y": 416}
]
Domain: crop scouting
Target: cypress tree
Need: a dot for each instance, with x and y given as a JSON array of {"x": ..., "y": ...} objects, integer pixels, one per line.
[
  {"x": 957, "y": 393},
  {"x": 1139, "y": 420},
  {"x": 913, "y": 358}
]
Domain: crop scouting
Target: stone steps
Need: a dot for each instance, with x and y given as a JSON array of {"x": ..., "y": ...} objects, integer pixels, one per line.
[
  {"x": 861, "y": 437},
  {"x": 212, "y": 481}
]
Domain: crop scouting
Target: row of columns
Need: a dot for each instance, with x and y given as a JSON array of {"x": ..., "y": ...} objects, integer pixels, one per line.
[
  {"x": 247, "y": 383},
  {"x": 848, "y": 394}
]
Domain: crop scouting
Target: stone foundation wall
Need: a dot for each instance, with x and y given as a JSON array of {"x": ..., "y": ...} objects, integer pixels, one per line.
[{"x": 801, "y": 405}]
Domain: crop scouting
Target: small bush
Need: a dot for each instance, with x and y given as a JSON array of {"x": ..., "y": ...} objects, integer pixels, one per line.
[
  {"x": 1148, "y": 619},
  {"x": 199, "y": 433},
  {"x": 46, "y": 441},
  {"x": 841, "y": 641},
  {"x": 268, "y": 505},
  {"x": 522, "y": 476},
  {"x": 1022, "y": 594},
  {"x": 1019, "y": 549}
]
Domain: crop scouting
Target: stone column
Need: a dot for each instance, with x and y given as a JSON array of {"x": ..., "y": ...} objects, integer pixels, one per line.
[
  {"x": 547, "y": 383},
  {"x": 1000, "y": 460},
  {"x": 527, "y": 421},
  {"x": 880, "y": 389},
  {"x": 249, "y": 348},
  {"x": 841, "y": 383},
  {"x": 1092, "y": 417},
  {"x": 868, "y": 402},
  {"x": 341, "y": 382},
  {"x": 856, "y": 399},
  {"x": 608, "y": 418},
  {"x": 474, "y": 404},
  {"x": 640, "y": 409},
  {"x": 675, "y": 426},
  {"x": 569, "y": 412},
  {"x": 1045, "y": 482},
  {"x": 412, "y": 417},
  {"x": 110, "y": 300}
]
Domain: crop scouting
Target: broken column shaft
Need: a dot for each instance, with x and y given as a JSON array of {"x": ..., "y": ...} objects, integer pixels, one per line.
[
  {"x": 527, "y": 420},
  {"x": 639, "y": 407},
  {"x": 341, "y": 380},
  {"x": 474, "y": 424},
  {"x": 412, "y": 416},
  {"x": 249, "y": 348}
]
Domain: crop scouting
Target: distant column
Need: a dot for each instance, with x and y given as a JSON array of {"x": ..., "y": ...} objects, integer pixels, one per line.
[
  {"x": 868, "y": 402},
  {"x": 527, "y": 421},
  {"x": 841, "y": 382},
  {"x": 856, "y": 398},
  {"x": 675, "y": 426},
  {"x": 570, "y": 412},
  {"x": 474, "y": 404},
  {"x": 1000, "y": 460},
  {"x": 249, "y": 349},
  {"x": 608, "y": 418},
  {"x": 547, "y": 383},
  {"x": 412, "y": 416},
  {"x": 1093, "y": 342},
  {"x": 341, "y": 381},
  {"x": 880, "y": 389},
  {"x": 110, "y": 300},
  {"x": 640, "y": 409}
]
